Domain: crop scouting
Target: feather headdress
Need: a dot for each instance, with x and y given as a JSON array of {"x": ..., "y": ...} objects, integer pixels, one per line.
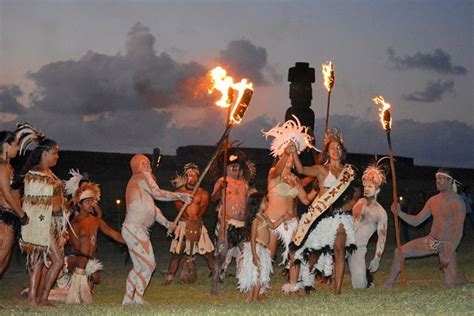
[
  {"x": 235, "y": 155},
  {"x": 180, "y": 179},
  {"x": 333, "y": 134},
  {"x": 284, "y": 134},
  {"x": 374, "y": 173},
  {"x": 86, "y": 191},
  {"x": 27, "y": 134},
  {"x": 72, "y": 184}
]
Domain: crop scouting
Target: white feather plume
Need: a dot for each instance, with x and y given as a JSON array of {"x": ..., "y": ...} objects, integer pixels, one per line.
[
  {"x": 72, "y": 184},
  {"x": 286, "y": 133}
]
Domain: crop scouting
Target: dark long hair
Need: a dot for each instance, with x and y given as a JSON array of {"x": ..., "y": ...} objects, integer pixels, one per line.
[
  {"x": 35, "y": 156},
  {"x": 323, "y": 157},
  {"x": 6, "y": 137},
  {"x": 253, "y": 206}
]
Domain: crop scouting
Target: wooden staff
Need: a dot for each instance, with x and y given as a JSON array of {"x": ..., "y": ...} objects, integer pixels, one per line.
[
  {"x": 386, "y": 120},
  {"x": 204, "y": 172},
  {"x": 395, "y": 199}
]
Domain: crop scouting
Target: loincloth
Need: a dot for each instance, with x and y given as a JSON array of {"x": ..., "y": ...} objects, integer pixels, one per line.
[{"x": 202, "y": 246}]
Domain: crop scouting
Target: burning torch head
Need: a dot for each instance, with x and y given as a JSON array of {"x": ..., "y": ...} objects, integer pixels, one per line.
[{"x": 241, "y": 107}]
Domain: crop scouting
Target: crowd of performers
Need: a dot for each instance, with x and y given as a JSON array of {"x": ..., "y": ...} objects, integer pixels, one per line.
[{"x": 44, "y": 213}]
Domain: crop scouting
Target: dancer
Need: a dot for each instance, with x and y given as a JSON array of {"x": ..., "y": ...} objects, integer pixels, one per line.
[
  {"x": 141, "y": 192},
  {"x": 369, "y": 216},
  {"x": 11, "y": 213},
  {"x": 83, "y": 240},
  {"x": 240, "y": 172},
  {"x": 332, "y": 233},
  {"x": 448, "y": 212},
  {"x": 254, "y": 276},
  {"x": 190, "y": 235},
  {"x": 284, "y": 188},
  {"x": 45, "y": 203},
  {"x": 75, "y": 181}
]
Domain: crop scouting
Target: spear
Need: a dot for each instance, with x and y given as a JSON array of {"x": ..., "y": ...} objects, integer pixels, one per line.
[
  {"x": 329, "y": 77},
  {"x": 386, "y": 120}
]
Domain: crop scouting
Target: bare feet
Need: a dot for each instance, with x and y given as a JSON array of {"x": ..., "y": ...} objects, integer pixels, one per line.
[{"x": 262, "y": 297}]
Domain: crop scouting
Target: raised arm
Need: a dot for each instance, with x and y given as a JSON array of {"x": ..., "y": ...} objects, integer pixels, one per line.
[
  {"x": 381, "y": 239},
  {"x": 107, "y": 230},
  {"x": 311, "y": 171},
  {"x": 413, "y": 220},
  {"x": 276, "y": 171}
]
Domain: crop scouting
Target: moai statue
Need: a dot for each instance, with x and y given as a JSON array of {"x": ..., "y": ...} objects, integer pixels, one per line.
[{"x": 301, "y": 76}]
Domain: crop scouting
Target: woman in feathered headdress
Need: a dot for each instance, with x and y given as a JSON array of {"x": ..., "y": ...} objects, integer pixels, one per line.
[
  {"x": 327, "y": 227},
  {"x": 284, "y": 188},
  {"x": 11, "y": 213},
  {"x": 45, "y": 203}
]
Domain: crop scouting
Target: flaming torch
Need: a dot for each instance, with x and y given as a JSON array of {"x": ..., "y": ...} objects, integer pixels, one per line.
[
  {"x": 236, "y": 98},
  {"x": 385, "y": 113},
  {"x": 329, "y": 74}
]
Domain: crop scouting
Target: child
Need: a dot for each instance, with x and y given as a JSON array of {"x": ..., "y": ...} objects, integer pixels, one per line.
[{"x": 256, "y": 266}]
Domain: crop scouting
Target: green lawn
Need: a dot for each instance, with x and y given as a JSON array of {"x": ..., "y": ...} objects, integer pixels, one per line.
[{"x": 425, "y": 294}]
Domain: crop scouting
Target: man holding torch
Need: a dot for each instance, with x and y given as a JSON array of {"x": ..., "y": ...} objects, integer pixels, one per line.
[
  {"x": 448, "y": 211},
  {"x": 190, "y": 235}
]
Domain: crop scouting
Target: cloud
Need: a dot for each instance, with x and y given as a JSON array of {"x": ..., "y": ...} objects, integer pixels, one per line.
[
  {"x": 439, "y": 61},
  {"x": 9, "y": 95},
  {"x": 445, "y": 144},
  {"x": 246, "y": 60},
  {"x": 434, "y": 91}
]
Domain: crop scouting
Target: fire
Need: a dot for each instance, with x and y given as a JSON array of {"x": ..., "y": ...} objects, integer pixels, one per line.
[
  {"x": 328, "y": 73},
  {"x": 227, "y": 87},
  {"x": 384, "y": 112}
]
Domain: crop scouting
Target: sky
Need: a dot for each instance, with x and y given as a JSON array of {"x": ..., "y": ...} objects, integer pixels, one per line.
[{"x": 128, "y": 76}]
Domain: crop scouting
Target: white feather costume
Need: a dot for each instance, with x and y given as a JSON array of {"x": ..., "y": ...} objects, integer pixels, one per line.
[{"x": 250, "y": 275}]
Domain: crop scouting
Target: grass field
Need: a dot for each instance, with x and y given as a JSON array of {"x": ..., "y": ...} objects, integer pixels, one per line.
[{"x": 425, "y": 294}]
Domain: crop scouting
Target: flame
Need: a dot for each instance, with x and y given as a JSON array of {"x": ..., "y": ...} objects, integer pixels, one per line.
[
  {"x": 384, "y": 112},
  {"x": 328, "y": 73},
  {"x": 226, "y": 86}
]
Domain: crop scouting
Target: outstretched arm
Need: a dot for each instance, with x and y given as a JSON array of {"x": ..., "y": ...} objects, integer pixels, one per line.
[
  {"x": 150, "y": 186},
  {"x": 107, "y": 230},
  {"x": 311, "y": 171},
  {"x": 381, "y": 238},
  {"x": 413, "y": 220}
]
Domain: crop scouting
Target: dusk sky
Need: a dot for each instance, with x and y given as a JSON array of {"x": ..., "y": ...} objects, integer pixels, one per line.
[{"x": 127, "y": 76}]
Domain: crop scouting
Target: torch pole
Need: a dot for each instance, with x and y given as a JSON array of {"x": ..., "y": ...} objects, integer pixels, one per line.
[
  {"x": 395, "y": 215},
  {"x": 327, "y": 111},
  {"x": 221, "y": 245},
  {"x": 221, "y": 142}
]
